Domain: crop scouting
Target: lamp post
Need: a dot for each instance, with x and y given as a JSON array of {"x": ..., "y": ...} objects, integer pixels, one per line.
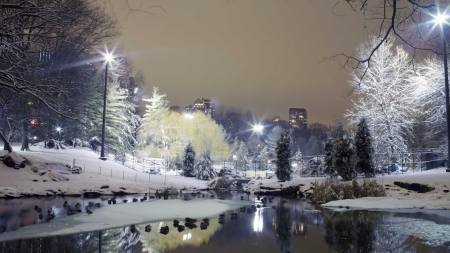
[
  {"x": 441, "y": 19},
  {"x": 235, "y": 160},
  {"x": 108, "y": 58}
]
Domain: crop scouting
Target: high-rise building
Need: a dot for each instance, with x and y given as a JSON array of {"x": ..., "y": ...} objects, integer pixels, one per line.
[
  {"x": 298, "y": 118},
  {"x": 202, "y": 105}
]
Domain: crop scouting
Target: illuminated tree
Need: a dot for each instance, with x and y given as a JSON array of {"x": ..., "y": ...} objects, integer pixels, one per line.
[{"x": 283, "y": 149}]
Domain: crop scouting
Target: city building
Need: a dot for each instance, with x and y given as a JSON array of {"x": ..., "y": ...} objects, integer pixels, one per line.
[
  {"x": 202, "y": 105},
  {"x": 298, "y": 118}
]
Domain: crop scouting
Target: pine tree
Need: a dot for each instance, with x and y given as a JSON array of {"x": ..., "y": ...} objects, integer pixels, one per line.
[
  {"x": 242, "y": 156},
  {"x": 364, "y": 149},
  {"x": 344, "y": 154},
  {"x": 328, "y": 161},
  {"x": 283, "y": 149},
  {"x": 262, "y": 158},
  {"x": 205, "y": 169},
  {"x": 189, "y": 161}
]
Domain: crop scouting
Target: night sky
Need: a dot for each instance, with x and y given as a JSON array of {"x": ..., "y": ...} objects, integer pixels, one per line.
[{"x": 261, "y": 55}]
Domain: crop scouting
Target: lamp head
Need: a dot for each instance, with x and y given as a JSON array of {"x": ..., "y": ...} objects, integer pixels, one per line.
[
  {"x": 108, "y": 57},
  {"x": 258, "y": 128}
]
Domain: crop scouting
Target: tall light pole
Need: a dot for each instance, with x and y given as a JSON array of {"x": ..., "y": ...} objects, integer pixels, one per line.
[
  {"x": 441, "y": 19},
  {"x": 108, "y": 58},
  {"x": 258, "y": 129}
]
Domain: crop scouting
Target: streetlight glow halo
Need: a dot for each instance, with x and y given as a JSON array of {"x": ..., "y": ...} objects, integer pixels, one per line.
[{"x": 108, "y": 57}]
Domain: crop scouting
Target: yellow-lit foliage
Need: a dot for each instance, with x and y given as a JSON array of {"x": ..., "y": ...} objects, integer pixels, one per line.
[
  {"x": 156, "y": 242},
  {"x": 167, "y": 133}
]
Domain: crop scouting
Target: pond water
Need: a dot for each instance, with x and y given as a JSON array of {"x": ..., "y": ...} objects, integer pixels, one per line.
[{"x": 284, "y": 225}]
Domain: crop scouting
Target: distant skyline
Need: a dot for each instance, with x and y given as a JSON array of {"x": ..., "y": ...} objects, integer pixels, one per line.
[{"x": 259, "y": 55}]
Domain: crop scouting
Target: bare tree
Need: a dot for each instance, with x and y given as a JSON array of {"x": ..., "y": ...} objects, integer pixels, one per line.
[
  {"x": 43, "y": 43},
  {"x": 411, "y": 21}
]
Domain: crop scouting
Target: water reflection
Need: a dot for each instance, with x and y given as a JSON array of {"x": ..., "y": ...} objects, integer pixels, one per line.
[
  {"x": 284, "y": 228},
  {"x": 293, "y": 226},
  {"x": 258, "y": 221}
]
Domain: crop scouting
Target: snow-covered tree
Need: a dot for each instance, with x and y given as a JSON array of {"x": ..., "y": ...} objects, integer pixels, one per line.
[
  {"x": 272, "y": 137},
  {"x": 384, "y": 96},
  {"x": 283, "y": 149},
  {"x": 242, "y": 156},
  {"x": 364, "y": 150},
  {"x": 262, "y": 158},
  {"x": 429, "y": 93},
  {"x": 344, "y": 154},
  {"x": 189, "y": 161},
  {"x": 313, "y": 145},
  {"x": 328, "y": 160},
  {"x": 167, "y": 133},
  {"x": 204, "y": 168}
]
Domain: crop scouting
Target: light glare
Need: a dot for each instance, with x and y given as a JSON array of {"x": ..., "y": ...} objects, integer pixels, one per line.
[
  {"x": 108, "y": 57},
  {"x": 258, "y": 128}
]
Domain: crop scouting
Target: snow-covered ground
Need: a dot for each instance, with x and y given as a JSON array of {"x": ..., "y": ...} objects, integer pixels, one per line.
[
  {"x": 97, "y": 173},
  {"x": 24, "y": 181},
  {"x": 396, "y": 197},
  {"x": 119, "y": 177}
]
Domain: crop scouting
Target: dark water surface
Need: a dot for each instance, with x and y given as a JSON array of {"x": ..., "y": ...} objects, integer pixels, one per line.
[{"x": 284, "y": 225}]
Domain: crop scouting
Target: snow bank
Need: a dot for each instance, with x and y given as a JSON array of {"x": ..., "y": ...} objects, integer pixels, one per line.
[
  {"x": 437, "y": 199},
  {"x": 121, "y": 215},
  {"x": 59, "y": 180}
]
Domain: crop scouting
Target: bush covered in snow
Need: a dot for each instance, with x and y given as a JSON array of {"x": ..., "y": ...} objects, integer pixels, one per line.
[
  {"x": 225, "y": 182},
  {"x": 330, "y": 190},
  {"x": 204, "y": 168}
]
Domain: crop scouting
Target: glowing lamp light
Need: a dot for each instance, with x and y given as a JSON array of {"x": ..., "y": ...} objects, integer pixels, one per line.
[
  {"x": 58, "y": 129},
  {"x": 440, "y": 19},
  {"x": 108, "y": 57},
  {"x": 258, "y": 128}
]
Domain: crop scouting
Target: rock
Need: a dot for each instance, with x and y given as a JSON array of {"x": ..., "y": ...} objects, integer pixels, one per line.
[
  {"x": 421, "y": 188},
  {"x": 57, "y": 177},
  {"x": 445, "y": 191},
  {"x": 15, "y": 161},
  {"x": 104, "y": 187},
  {"x": 92, "y": 194},
  {"x": 76, "y": 170}
]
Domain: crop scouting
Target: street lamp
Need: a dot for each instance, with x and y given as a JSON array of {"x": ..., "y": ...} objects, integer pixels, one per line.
[
  {"x": 441, "y": 19},
  {"x": 258, "y": 128},
  {"x": 108, "y": 58}
]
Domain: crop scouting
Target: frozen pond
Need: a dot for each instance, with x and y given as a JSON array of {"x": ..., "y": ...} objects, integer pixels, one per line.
[{"x": 283, "y": 225}]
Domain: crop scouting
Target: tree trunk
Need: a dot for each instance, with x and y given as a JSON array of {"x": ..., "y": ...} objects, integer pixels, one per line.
[
  {"x": 6, "y": 145},
  {"x": 25, "y": 146}
]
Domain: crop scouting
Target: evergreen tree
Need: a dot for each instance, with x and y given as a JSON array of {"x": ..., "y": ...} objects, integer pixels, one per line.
[
  {"x": 189, "y": 161},
  {"x": 344, "y": 154},
  {"x": 205, "y": 169},
  {"x": 242, "y": 156},
  {"x": 364, "y": 149},
  {"x": 283, "y": 149},
  {"x": 298, "y": 159},
  {"x": 262, "y": 158},
  {"x": 313, "y": 145},
  {"x": 328, "y": 161}
]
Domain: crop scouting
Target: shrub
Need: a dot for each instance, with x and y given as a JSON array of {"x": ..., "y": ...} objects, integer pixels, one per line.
[{"x": 330, "y": 190}]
